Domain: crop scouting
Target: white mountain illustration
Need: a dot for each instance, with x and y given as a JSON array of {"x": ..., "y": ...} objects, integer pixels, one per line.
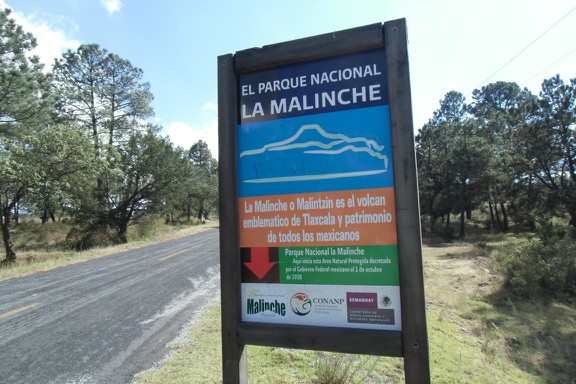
[{"x": 312, "y": 139}]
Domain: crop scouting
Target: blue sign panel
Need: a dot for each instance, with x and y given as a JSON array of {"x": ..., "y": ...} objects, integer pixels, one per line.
[
  {"x": 334, "y": 151},
  {"x": 319, "y": 126}
]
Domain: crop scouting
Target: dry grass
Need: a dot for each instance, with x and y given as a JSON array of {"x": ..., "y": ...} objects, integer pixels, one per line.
[
  {"x": 37, "y": 252},
  {"x": 518, "y": 340}
]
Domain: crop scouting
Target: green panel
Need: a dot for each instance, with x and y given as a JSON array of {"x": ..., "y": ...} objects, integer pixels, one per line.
[{"x": 340, "y": 265}]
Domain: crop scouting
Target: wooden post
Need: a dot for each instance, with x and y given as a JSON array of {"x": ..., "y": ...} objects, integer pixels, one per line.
[
  {"x": 414, "y": 333},
  {"x": 234, "y": 361}
]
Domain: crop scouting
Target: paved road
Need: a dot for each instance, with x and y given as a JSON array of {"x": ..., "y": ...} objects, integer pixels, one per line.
[{"x": 104, "y": 320}]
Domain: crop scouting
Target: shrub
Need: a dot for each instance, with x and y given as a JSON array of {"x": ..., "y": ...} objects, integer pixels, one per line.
[
  {"x": 447, "y": 233},
  {"x": 340, "y": 368},
  {"x": 82, "y": 239},
  {"x": 146, "y": 229},
  {"x": 332, "y": 369},
  {"x": 541, "y": 265},
  {"x": 551, "y": 233}
]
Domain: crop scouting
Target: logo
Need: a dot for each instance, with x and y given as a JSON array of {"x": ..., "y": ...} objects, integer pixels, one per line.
[
  {"x": 328, "y": 301},
  {"x": 252, "y": 293},
  {"x": 362, "y": 300},
  {"x": 254, "y": 307},
  {"x": 301, "y": 304},
  {"x": 385, "y": 301}
]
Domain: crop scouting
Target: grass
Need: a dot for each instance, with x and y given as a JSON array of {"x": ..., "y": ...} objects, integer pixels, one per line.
[
  {"x": 190, "y": 358},
  {"x": 463, "y": 348}
]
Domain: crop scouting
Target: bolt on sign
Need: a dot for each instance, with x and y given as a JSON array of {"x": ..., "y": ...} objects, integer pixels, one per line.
[{"x": 318, "y": 234}]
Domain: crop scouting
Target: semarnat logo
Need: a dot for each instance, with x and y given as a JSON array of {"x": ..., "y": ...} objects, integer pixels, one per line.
[
  {"x": 362, "y": 300},
  {"x": 301, "y": 304}
]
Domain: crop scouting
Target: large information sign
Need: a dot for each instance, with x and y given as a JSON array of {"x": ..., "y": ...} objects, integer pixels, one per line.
[
  {"x": 316, "y": 194},
  {"x": 320, "y": 244}
]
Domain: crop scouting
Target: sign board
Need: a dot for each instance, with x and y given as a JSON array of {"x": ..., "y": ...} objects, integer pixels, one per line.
[
  {"x": 317, "y": 168},
  {"x": 316, "y": 194}
]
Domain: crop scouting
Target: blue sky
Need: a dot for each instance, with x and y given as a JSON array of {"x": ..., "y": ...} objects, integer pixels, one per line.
[{"x": 453, "y": 44}]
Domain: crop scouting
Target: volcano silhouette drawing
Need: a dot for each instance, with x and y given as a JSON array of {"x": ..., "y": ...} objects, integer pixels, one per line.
[{"x": 312, "y": 154}]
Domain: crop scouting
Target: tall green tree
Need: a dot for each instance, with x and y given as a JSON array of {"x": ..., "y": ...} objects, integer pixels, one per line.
[
  {"x": 150, "y": 165},
  {"x": 450, "y": 117},
  {"x": 103, "y": 92},
  {"x": 448, "y": 161},
  {"x": 65, "y": 156},
  {"x": 431, "y": 145},
  {"x": 495, "y": 108},
  {"x": 25, "y": 106},
  {"x": 18, "y": 174},
  {"x": 202, "y": 192},
  {"x": 470, "y": 162},
  {"x": 108, "y": 97},
  {"x": 201, "y": 156},
  {"x": 31, "y": 166},
  {"x": 25, "y": 98},
  {"x": 548, "y": 138}
]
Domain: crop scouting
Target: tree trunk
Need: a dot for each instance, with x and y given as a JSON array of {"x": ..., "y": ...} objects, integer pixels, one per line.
[
  {"x": 468, "y": 212},
  {"x": 8, "y": 246},
  {"x": 200, "y": 215},
  {"x": 463, "y": 199},
  {"x": 492, "y": 219},
  {"x": 497, "y": 213},
  {"x": 121, "y": 221},
  {"x": 431, "y": 213},
  {"x": 17, "y": 213},
  {"x": 504, "y": 217},
  {"x": 44, "y": 216},
  {"x": 122, "y": 231},
  {"x": 571, "y": 208},
  {"x": 498, "y": 221}
]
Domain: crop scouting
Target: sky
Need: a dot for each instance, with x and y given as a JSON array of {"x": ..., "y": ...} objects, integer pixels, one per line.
[{"x": 453, "y": 45}]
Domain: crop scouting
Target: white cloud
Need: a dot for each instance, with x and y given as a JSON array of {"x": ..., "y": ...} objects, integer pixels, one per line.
[
  {"x": 111, "y": 5},
  {"x": 204, "y": 127},
  {"x": 209, "y": 106},
  {"x": 184, "y": 135},
  {"x": 51, "y": 33}
]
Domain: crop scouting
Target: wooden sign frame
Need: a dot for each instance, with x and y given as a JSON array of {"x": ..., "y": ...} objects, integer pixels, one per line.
[{"x": 411, "y": 342}]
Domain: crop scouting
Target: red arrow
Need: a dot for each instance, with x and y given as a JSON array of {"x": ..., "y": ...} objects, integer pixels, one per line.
[{"x": 259, "y": 262}]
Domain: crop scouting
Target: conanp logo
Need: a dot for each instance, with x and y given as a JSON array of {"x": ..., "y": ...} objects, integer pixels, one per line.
[{"x": 301, "y": 304}]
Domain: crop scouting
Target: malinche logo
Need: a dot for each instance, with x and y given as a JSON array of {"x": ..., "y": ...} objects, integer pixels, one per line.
[{"x": 258, "y": 306}]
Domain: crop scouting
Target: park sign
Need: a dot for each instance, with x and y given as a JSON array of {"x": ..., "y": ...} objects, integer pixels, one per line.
[
  {"x": 316, "y": 194},
  {"x": 320, "y": 237}
]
